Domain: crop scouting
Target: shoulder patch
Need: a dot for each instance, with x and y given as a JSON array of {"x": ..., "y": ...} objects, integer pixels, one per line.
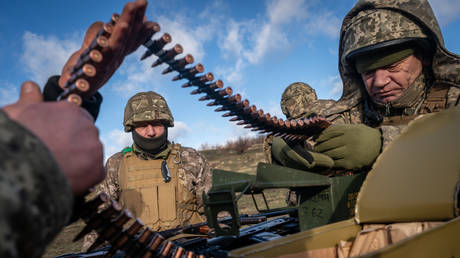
[{"x": 126, "y": 150}]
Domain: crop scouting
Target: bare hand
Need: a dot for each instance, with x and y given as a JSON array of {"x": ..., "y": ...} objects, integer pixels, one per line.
[
  {"x": 68, "y": 132},
  {"x": 130, "y": 31}
]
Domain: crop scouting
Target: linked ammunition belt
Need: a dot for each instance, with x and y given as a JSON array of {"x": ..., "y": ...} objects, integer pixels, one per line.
[
  {"x": 237, "y": 109},
  {"x": 123, "y": 232}
]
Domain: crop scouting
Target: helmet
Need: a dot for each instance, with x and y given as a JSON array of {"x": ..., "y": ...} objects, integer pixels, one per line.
[
  {"x": 145, "y": 107},
  {"x": 295, "y": 97},
  {"x": 374, "y": 30}
]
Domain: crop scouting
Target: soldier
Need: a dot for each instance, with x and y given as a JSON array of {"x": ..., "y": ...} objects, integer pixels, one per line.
[
  {"x": 51, "y": 151},
  {"x": 299, "y": 100},
  {"x": 159, "y": 181},
  {"x": 394, "y": 67}
]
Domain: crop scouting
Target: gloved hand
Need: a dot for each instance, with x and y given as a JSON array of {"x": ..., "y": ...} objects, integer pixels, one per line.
[
  {"x": 296, "y": 156},
  {"x": 350, "y": 146}
]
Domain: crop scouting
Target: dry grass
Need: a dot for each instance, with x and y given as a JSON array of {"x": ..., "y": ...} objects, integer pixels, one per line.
[{"x": 222, "y": 158}]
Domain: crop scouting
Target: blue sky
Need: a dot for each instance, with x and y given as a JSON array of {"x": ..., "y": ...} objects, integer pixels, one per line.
[{"x": 256, "y": 47}]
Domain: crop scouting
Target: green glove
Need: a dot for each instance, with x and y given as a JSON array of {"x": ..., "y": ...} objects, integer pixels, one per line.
[
  {"x": 350, "y": 146},
  {"x": 296, "y": 156}
]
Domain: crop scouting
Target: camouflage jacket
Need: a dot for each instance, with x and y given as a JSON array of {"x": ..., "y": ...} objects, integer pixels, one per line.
[
  {"x": 36, "y": 199},
  {"x": 194, "y": 173},
  {"x": 352, "y": 107}
]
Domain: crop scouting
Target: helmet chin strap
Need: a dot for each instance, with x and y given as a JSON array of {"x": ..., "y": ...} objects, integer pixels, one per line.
[{"x": 151, "y": 145}]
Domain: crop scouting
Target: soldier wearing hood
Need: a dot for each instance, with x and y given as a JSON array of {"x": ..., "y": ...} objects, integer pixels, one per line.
[
  {"x": 159, "y": 181},
  {"x": 394, "y": 67}
]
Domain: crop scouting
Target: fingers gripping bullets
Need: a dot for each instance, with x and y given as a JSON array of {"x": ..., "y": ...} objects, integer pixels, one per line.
[{"x": 85, "y": 68}]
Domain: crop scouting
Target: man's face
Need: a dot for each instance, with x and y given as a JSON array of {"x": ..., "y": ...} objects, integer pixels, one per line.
[
  {"x": 149, "y": 129},
  {"x": 387, "y": 83}
]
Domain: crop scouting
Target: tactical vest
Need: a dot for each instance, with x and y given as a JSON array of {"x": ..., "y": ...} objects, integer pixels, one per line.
[
  {"x": 435, "y": 101},
  {"x": 159, "y": 204}
]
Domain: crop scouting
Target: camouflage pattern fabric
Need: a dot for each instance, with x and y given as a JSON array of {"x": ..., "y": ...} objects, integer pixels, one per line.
[
  {"x": 366, "y": 29},
  {"x": 194, "y": 173},
  {"x": 445, "y": 65},
  {"x": 375, "y": 21},
  {"x": 299, "y": 100},
  {"x": 144, "y": 107},
  {"x": 36, "y": 199}
]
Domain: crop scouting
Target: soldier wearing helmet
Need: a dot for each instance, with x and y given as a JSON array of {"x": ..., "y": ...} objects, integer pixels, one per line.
[
  {"x": 159, "y": 181},
  {"x": 394, "y": 67},
  {"x": 299, "y": 100}
]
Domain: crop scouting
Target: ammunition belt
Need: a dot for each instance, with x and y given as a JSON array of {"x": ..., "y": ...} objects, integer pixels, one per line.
[
  {"x": 118, "y": 227},
  {"x": 79, "y": 85}
]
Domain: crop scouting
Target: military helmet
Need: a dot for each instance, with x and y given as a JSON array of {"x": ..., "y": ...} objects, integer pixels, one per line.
[
  {"x": 296, "y": 96},
  {"x": 375, "y": 30},
  {"x": 146, "y": 107}
]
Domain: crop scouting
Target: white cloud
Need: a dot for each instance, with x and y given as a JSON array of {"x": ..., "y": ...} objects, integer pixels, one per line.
[
  {"x": 135, "y": 75},
  {"x": 250, "y": 41},
  {"x": 332, "y": 85},
  {"x": 180, "y": 130},
  {"x": 115, "y": 141},
  {"x": 274, "y": 109},
  {"x": 140, "y": 76},
  {"x": 282, "y": 11},
  {"x": 324, "y": 24},
  {"x": 232, "y": 75},
  {"x": 232, "y": 42},
  {"x": 45, "y": 56},
  {"x": 237, "y": 131},
  {"x": 191, "y": 38},
  {"x": 446, "y": 10},
  {"x": 9, "y": 93},
  {"x": 337, "y": 88}
]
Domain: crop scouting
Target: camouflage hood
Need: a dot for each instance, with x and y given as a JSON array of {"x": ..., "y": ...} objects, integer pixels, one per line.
[{"x": 445, "y": 64}]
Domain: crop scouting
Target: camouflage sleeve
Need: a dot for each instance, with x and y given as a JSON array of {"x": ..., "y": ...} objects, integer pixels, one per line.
[
  {"x": 453, "y": 97},
  {"x": 111, "y": 183},
  {"x": 389, "y": 133},
  {"x": 198, "y": 174},
  {"x": 35, "y": 198},
  {"x": 268, "y": 141},
  {"x": 111, "y": 186}
]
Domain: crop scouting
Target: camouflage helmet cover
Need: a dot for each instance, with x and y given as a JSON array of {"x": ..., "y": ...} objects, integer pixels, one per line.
[
  {"x": 296, "y": 96},
  {"x": 146, "y": 107},
  {"x": 373, "y": 29}
]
